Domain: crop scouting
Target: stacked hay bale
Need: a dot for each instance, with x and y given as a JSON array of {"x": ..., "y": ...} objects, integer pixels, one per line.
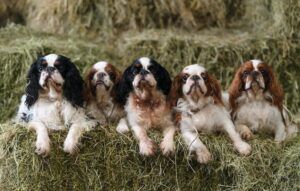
[{"x": 219, "y": 34}]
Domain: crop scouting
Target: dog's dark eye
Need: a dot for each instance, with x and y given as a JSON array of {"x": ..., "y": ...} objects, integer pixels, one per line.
[
  {"x": 41, "y": 68},
  {"x": 112, "y": 76},
  {"x": 263, "y": 72},
  {"x": 185, "y": 77},
  {"x": 246, "y": 73},
  {"x": 152, "y": 69},
  {"x": 204, "y": 76},
  {"x": 136, "y": 70}
]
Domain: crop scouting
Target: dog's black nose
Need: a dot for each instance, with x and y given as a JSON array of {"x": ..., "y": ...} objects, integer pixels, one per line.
[
  {"x": 50, "y": 69},
  {"x": 255, "y": 74},
  {"x": 195, "y": 77},
  {"x": 101, "y": 75},
  {"x": 144, "y": 72}
]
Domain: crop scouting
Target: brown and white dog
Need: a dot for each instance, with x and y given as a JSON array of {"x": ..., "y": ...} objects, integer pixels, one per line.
[
  {"x": 256, "y": 101},
  {"x": 143, "y": 89},
  {"x": 196, "y": 95},
  {"x": 100, "y": 94}
]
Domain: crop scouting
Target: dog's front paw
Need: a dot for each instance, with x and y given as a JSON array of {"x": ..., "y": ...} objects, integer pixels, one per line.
[
  {"x": 122, "y": 128},
  {"x": 147, "y": 148},
  {"x": 203, "y": 155},
  {"x": 167, "y": 147},
  {"x": 245, "y": 132},
  {"x": 42, "y": 147},
  {"x": 243, "y": 148},
  {"x": 70, "y": 146}
]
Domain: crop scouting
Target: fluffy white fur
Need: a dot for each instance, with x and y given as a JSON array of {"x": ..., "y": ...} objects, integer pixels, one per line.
[
  {"x": 254, "y": 111},
  {"x": 204, "y": 115},
  {"x": 51, "y": 111}
]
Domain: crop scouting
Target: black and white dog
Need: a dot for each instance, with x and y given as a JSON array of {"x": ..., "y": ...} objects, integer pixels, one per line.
[
  {"x": 142, "y": 90},
  {"x": 54, "y": 100}
]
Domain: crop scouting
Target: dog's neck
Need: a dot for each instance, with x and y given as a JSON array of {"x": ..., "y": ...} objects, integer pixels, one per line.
[
  {"x": 102, "y": 96},
  {"x": 51, "y": 92},
  {"x": 149, "y": 97}
]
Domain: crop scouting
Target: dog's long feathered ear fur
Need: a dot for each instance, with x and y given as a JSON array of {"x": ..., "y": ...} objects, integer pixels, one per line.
[
  {"x": 33, "y": 86},
  {"x": 89, "y": 90},
  {"x": 275, "y": 89},
  {"x": 176, "y": 91},
  {"x": 163, "y": 79},
  {"x": 214, "y": 89},
  {"x": 235, "y": 89},
  {"x": 124, "y": 87},
  {"x": 73, "y": 85}
]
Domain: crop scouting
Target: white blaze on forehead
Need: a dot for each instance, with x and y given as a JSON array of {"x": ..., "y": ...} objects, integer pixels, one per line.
[
  {"x": 145, "y": 61},
  {"x": 255, "y": 63},
  {"x": 50, "y": 59},
  {"x": 100, "y": 66},
  {"x": 195, "y": 68}
]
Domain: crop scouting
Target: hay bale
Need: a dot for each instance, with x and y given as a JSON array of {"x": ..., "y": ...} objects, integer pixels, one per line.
[
  {"x": 110, "y": 161},
  {"x": 101, "y": 17}
]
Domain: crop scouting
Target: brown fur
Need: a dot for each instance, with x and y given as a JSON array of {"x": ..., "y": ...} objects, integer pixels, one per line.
[
  {"x": 89, "y": 87},
  {"x": 237, "y": 86},
  {"x": 214, "y": 89},
  {"x": 176, "y": 90}
]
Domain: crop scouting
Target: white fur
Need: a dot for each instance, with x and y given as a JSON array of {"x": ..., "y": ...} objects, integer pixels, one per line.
[
  {"x": 194, "y": 69},
  {"x": 255, "y": 64},
  {"x": 145, "y": 61},
  {"x": 122, "y": 126},
  {"x": 209, "y": 119},
  {"x": 203, "y": 115},
  {"x": 100, "y": 66},
  {"x": 259, "y": 115},
  {"x": 102, "y": 108},
  {"x": 57, "y": 115},
  {"x": 141, "y": 120},
  {"x": 50, "y": 59}
]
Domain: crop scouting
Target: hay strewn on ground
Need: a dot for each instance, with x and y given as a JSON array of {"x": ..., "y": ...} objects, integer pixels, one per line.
[
  {"x": 111, "y": 162},
  {"x": 169, "y": 31}
]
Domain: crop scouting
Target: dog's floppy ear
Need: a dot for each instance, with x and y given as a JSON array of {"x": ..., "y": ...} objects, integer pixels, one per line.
[
  {"x": 33, "y": 86},
  {"x": 274, "y": 88},
  {"x": 176, "y": 91},
  {"x": 124, "y": 87},
  {"x": 73, "y": 85},
  {"x": 235, "y": 89},
  {"x": 163, "y": 79},
  {"x": 214, "y": 89},
  {"x": 89, "y": 90}
]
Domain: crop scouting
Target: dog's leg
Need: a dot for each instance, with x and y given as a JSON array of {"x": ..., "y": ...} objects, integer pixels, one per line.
[
  {"x": 122, "y": 126},
  {"x": 73, "y": 137},
  {"x": 167, "y": 145},
  {"x": 42, "y": 141},
  {"x": 244, "y": 131},
  {"x": 241, "y": 146},
  {"x": 280, "y": 133},
  {"x": 191, "y": 138},
  {"x": 145, "y": 143}
]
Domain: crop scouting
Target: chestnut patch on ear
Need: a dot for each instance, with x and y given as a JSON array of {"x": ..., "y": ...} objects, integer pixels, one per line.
[
  {"x": 176, "y": 89},
  {"x": 113, "y": 72},
  {"x": 213, "y": 88}
]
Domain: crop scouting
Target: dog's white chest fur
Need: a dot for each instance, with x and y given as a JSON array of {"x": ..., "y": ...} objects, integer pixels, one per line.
[
  {"x": 54, "y": 114},
  {"x": 148, "y": 116},
  {"x": 258, "y": 114}
]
